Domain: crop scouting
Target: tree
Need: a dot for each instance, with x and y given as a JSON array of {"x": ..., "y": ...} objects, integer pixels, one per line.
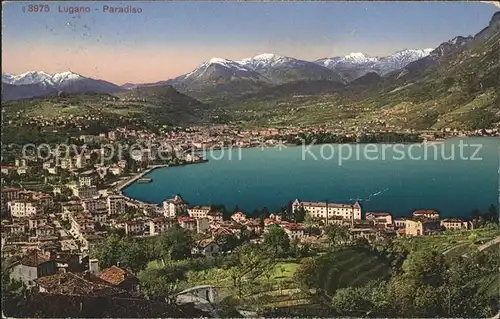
[
  {"x": 299, "y": 214},
  {"x": 426, "y": 266},
  {"x": 492, "y": 214},
  {"x": 286, "y": 212},
  {"x": 133, "y": 256},
  {"x": 310, "y": 223},
  {"x": 351, "y": 301},
  {"x": 227, "y": 242},
  {"x": 337, "y": 235},
  {"x": 109, "y": 254},
  {"x": 175, "y": 244},
  {"x": 251, "y": 262},
  {"x": 276, "y": 240},
  {"x": 307, "y": 275},
  {"x": 155, "y": 285}
]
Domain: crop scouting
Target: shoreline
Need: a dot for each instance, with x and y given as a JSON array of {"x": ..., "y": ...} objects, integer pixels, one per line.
[
  {"x": 134, "y": 178},
  {"x": 430, "y": 141},
  {"x": 138, "y": 176}
]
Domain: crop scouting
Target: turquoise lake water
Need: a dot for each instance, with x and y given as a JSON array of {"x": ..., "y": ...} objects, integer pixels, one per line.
[{"x": 390, "y": 178}]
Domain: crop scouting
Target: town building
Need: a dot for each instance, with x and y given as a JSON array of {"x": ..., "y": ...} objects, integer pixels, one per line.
[
  {"x": 45, "y": 200},
  {"x": 100, "y": 217},
  {"x": 116, "y": 205},
  {"x": 13, "y": 228},
  {"x": 24, "y": 208},
  {"x": 380, "y": 218},
  {"x": 44, "y": 230},
  {"x": 90, "y": 242},
  {"x": 36, "y": 221},
  {"x": 239, "y": 217},
  {"x": 66, "y": 163},
  {"x": 70, "y": 208},
  {"x": 202, "y": 225},
  {"x": 87, "y": 178},
  {"x": 326, "y": 210},
  {"x": 368, "y": 232},
  {"x": 31, "y": 266},
  {"x": 216, "y": 217},
  {"x": 95, "y": 205},
  {"x": 136, "y": 227},
  {"x": 199, "y": 211},
  {"x": 81, "y": 223},
  {"x": 159, "y": 225},
  {"x": 400, "y": 223},
  {"x": 21, "y": 162},
  {"x": 80, "y": 161},
  {"x": 9, "y": 194},
  {"x": 421, "y": 226},
  {"x": 187, "y": 222},
  {"x": 72, "y": 284},
  {"x": 454, "y": 223},
  {"x": 294, "y": 231},
  {"x": 426, "y": 213},
  {"x": 152, "y": 210},
  {"x": 85, "y": 191},
  {"x": 175, "y": 207},
  {"x": 119, "y": 278},
  {"x": 206, "y": 247}
]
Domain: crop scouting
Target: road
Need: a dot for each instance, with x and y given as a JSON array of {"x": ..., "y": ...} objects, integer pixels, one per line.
[{"x": 492, "y": 242}]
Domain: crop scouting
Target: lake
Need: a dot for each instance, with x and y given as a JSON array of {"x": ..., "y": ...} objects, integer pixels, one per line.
[{"x": 454, "y": 177}]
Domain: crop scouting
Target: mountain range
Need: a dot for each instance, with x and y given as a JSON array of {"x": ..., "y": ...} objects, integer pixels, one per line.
[
  {"x": 457, "y": 84},
  {"x": 221, "y": 77},
  {"x": 355, "y": 65}
]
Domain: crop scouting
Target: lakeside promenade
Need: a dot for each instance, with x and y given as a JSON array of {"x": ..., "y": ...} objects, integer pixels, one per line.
[
  {"x": 139, "y": 175},
  {"x": 137, "y": 203}
]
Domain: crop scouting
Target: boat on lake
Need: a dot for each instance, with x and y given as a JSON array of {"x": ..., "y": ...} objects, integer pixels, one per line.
[
  {"x": 436, "y": 141},
  {"x": 144, "y": 180}
]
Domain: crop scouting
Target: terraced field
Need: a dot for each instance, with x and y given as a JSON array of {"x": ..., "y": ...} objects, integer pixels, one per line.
[
  {"x": 352, "y": 267},
  {"x": 453, "y": 243}
]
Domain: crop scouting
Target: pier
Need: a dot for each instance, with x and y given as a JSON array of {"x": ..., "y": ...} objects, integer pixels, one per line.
[{"x": 138, "y": 176}]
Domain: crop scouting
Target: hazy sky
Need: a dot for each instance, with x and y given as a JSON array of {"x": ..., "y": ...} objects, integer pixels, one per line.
[{"x": 171, "y": 38}]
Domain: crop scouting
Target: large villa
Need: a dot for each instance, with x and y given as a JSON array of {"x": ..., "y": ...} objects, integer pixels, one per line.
[{"x": 326, "y": 210}]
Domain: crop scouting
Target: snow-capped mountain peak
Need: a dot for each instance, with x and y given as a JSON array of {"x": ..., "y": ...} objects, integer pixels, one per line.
[
  {"x": 66, "y": 76},
  {"x": 358, "y": 57},
  {"x": 266, "y": 56},
  {"x": 40, "y": 77},
  {"x": 229, "y": 68},
  {"x": 37, "y": 83},
  {"x": 230, "y": 64},
  {"x": 355, "y": 55},
  {"x": 357, "y": 64},
  {"x": 218, "y": 61},
  {"x": 30, "y": 77},
  {"x": 268, "y": 60}
]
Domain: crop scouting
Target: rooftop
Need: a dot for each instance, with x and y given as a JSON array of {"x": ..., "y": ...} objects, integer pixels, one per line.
[
  {"x": 71, "y": 284},
  {"x": 34, "y": 258},
  {"x": 378, "y": 214},
  {"x": 333, "y": 205},
  {"x": 186, "y": 219},
  {"x": 115, "y": 275}
]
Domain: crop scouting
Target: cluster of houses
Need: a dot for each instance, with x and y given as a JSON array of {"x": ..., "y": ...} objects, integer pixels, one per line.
[
  {"x": 378, "y": 224},
  {"x": 54, "y": 254},
  {"x": 66, "y": 274},
  {"x": 34, "y": 219}
]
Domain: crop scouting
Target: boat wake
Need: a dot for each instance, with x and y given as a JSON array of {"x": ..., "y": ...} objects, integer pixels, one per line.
[{"x": 367, "y": 199}]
